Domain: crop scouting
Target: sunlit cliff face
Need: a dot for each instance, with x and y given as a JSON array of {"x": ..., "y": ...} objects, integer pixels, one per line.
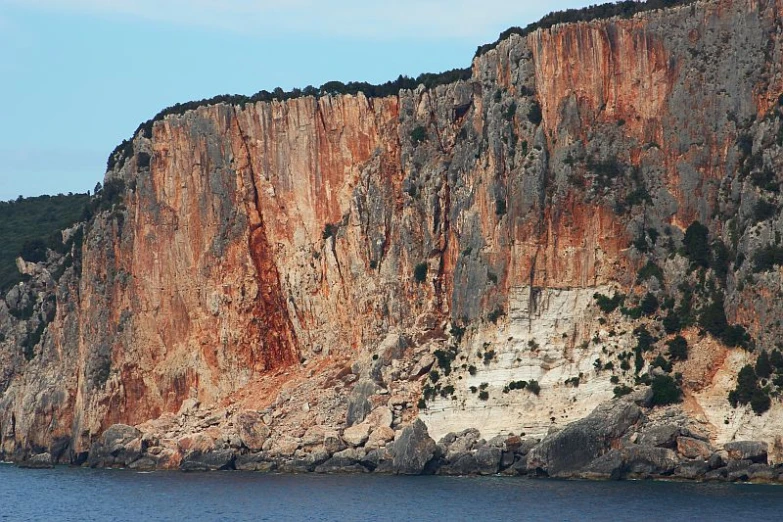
[{"x": 263, "y": 237}]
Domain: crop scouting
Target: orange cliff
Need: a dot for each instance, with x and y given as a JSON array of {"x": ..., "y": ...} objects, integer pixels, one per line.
[{"x": 259, "y": 237}]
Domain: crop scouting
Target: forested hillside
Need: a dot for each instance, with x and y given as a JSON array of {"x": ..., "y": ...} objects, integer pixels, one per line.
[{"x": 31, "y": 224}]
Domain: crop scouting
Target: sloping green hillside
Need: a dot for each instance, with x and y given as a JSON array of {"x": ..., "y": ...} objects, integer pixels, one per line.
[{"x": 31, "y": 223}]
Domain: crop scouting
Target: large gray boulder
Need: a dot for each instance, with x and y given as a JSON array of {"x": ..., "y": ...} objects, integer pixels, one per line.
[
  {"x": 692, "y": 469},
  {"x": 747, "y": 450},
  {"x": 608, "y": 466},
  {"x": 566, "y": 452},
  {"x": 664, "y": 436},
  {"x": 208, "y": 461},
  {"x": 646, "y": 461},
  {"x": 488, "y": 460},
  {"x": 119, "y": 445},
  {"x": 413, "y": 450},
  {"x": 464, "y": 464}
]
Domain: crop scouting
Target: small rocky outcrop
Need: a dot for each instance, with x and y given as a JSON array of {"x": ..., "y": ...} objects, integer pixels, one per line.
[
  {"x": 566, "y": 452},
  {"x": 38, "y": 461},
  {"x": 119, "y": 446},
  {"x": 413, "y": 450},
  {"x": 747, "y": 450}
]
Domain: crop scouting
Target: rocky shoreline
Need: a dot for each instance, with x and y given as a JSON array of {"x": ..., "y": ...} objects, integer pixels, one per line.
[{"x": 617, "y": 441}]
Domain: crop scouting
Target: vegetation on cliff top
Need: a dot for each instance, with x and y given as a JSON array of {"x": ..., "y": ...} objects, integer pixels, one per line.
[
  {"x": 30, "y": 225},
  {"x": 391, "y": 88},
  {"x": 624, "y": 9}
]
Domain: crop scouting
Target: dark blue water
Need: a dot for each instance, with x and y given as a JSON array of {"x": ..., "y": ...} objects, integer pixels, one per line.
[{"x": 106, "y": 495}]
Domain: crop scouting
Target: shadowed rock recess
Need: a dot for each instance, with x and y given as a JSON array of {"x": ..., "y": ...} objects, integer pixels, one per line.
[{"x": 565, "y": 262}]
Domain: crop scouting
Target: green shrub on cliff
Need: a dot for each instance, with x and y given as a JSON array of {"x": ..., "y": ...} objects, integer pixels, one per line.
[
  {"x": 678, "y": 348},
  {"x": 665, "y": 390},
  {"x": 696, "y": 244},
  {"x": 418, "y": 135},
  {"x": 625, "y": 9},
  {"x": 767, "y": 258},
  {"x": 608, "y": 304},
  {"x": 763, "y": 366},
  {"x": 747, "y": 388},
  {"x": 534, "y": 114},
  {"x": 420, "y": 272}
]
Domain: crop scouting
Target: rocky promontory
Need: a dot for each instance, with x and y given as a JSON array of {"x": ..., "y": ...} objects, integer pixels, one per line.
[{"x": 564, "y": 261}]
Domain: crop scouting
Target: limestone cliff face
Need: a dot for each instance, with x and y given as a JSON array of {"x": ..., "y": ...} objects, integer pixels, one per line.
[{"x": 261, "y": 252}]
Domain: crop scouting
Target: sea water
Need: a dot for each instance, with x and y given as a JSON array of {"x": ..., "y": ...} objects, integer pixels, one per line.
[{"x": 64, "y": 494}]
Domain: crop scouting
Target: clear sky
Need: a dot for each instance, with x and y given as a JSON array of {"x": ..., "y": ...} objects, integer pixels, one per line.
[{"x": 78, "y": 76}]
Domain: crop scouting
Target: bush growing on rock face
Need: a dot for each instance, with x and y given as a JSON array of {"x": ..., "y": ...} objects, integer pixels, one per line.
[
  {"x": 608, "y": 304},
  {"x": 445, "y": 358},
  {"x": 330, "y": 230},
  {"x": 534, "y": 387},
  {"x": 649, "y": 271},
  {"x": 34, "y": 250},
  {"x": 500, "y": 207},
  {"x": 776, "y": 359},
  {"x": 712, "y": 319},
  {"x": 517, "y": 385},
  {"x": 495, "y": 314},
  {"x": 747, "y": 385},
  {"x": 767, "y": 258},
  {"x": 764, "y": 210},
  {"x": 763, "y": 366},
  {"x": 696, "y": 244},
  {"x": 672, "y": 323},
  {"x": 661, "y": 362},
  {"x": 418, "y": 135},
  {"x": 447, "y": 391},
  {"x": 483, "y": 395},
  {"x": 112, "y": 193},
  {"x": 760, "y": 402},
  {"x": 534, "y": 114},
  {"x": 649, "y": 304},
  {"x": 621, "y": 391},
  {"x": 678, "y": 348},
  {"x": 665, "y": 390},
  {"x": 420, "y": 272}
]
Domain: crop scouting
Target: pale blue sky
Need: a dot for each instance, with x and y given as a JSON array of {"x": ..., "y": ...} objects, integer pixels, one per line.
[{"x": 78, "y": 76}]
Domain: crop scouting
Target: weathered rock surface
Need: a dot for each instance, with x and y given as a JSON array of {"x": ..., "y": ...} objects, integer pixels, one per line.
[
  {"x": 119, "y": 445},
  {"x": 691, "y": 448},
  {"x": 252, "y": 431},
  {"x": 357, "y": 435},
  {"x": 568, "y": 451},
  {"x": 747, "y": 450},
  {"x": 259, "y": 277},
  {"x": 38, "y": 461},
  {"x": 413, "y": 450}
]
